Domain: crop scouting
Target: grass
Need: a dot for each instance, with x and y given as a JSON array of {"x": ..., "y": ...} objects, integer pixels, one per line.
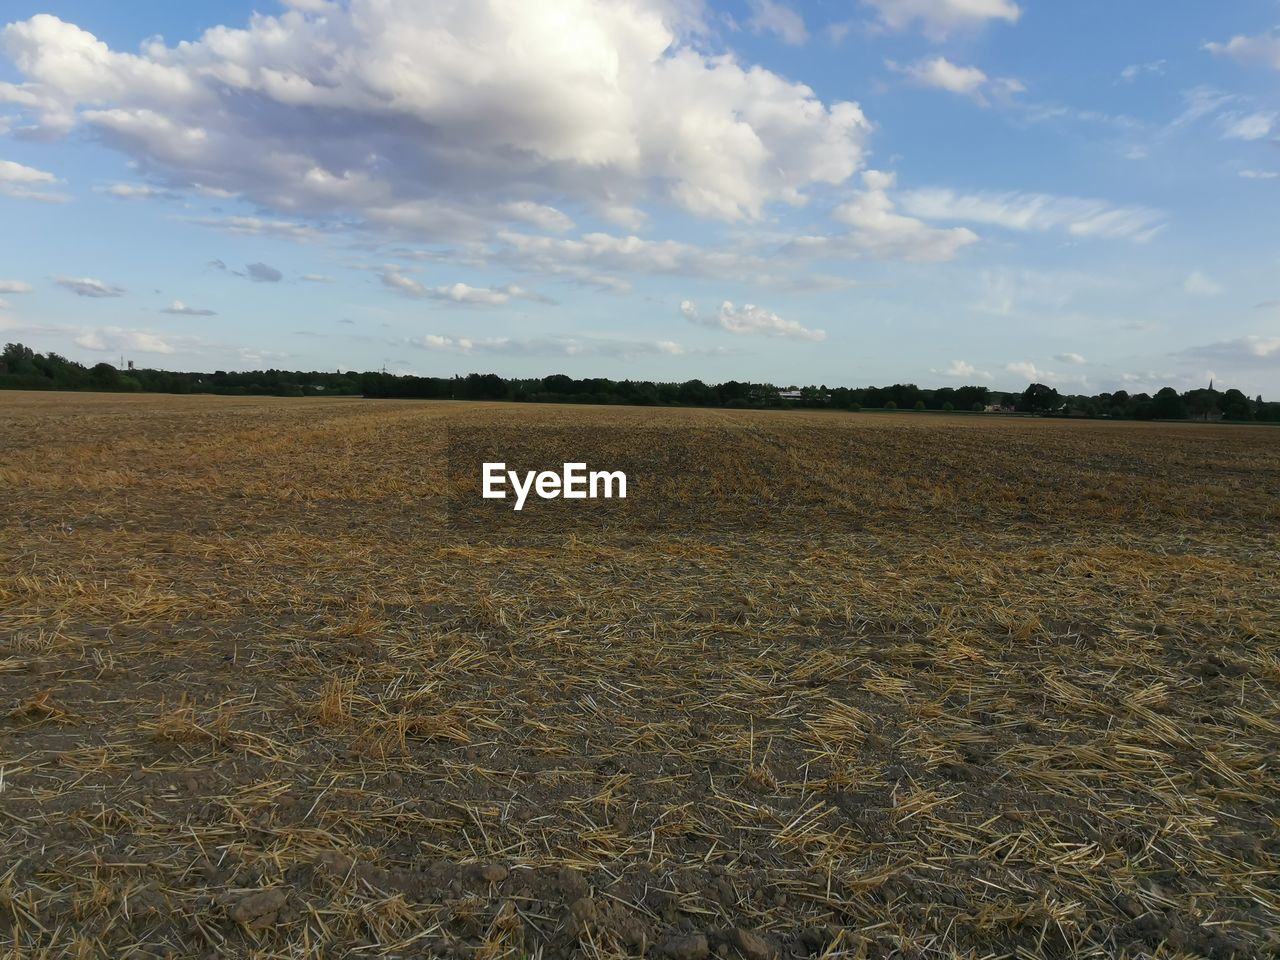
[{"x": 827, "y": 685}]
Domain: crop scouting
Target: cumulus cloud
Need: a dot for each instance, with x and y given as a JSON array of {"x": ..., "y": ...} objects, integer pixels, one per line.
[
  {"x": 939, "y": 18},
  {"x": 89, "y": 287},
  {"x": 14, "y": 286},
  {"x": 879, "y": 232},
  {"x": 769, "y": 16},
  {"x": 1201, "y": 285},
  {"x": 22, "y": 183},
  {"x": 117, "y": 339},
  {"x": 180, "y": 309},
  {"x": 941, "y": 74},
  {"x": 1264, "y": 49},
  {"x": 1037, "y": 212},
  {"x": 263, "y": 273},
  {"x": 457, "y": 292},
  {"x": 335, "y": 111},
  {"x": 578, "y": 346},
  {"x": 1073, "y": 358},
  {"x": 750, "y": 320},
  {"x": 963, "y": 370}
]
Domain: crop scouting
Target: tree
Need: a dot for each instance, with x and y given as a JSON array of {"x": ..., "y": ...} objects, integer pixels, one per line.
[
  {"x": 973, "y": 398},
  {"x": 1168, "y": 405},
  {"x": 558, "y": 383},
  {"x": 1235, "y": 406},
  {"x": 694, "y": 392},
  {"x": 1038, "y": 398},
  {"x": 103, "y": 376}
]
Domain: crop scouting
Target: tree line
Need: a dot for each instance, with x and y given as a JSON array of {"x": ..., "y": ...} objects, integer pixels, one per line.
[{"x": 21, "y": 368}]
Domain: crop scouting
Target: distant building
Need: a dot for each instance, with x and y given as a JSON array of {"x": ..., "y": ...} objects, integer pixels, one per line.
[
  {"x": 790, "y": 395},
  {"x": 998, "y": 408}
]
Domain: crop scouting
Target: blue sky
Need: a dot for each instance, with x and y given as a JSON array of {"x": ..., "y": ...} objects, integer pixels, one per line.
[{"x": 839, "y": 191}]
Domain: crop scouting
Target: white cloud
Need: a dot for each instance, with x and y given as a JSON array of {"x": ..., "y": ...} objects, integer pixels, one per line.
[
  {"x": 14, "y": 286},
  {"x": 540, "y": 215},
  {"x": 310, "y": 6},
  {"x": 594, "y": 254},
  {"x": 1201, "y": 285},
  {"x": 1253, "y": 126},
  {"x": 317, "y": 278},
  {"x": 259, "y": 358},
  {"x": 769, "y": 16},
  {"x": 941, "y": 74},
  {"x": 1260, "y": 174},
  {"x": 881, "y": 233},
  {"x": 457, "y": 292},
  {"x": 260, "y": 227},
  {"x": 1037, "y": 212},
  {"x": 89, "y": 287},
  {"x": 578, "y": 346},
  {"x": 11, "y": 172},
  {"x": 603, "y": 103},
  {"x": 134, "y": 191},
  {"x": 17, "y": 181},
  {"x": 963, "y": 370},
  {"x": 1073, "y": 358},
  {"x": 117, "y": 339},
  {"x": 1151, "y": 379},
  {"x": 938, "y": 18},
  {"x": 1200, "y": 102},
  {"x": 1264, "y": 49},
  {"x": 1135, "y": 70},
  {"x": 180, "y": 309},
  {"x": 1029, "y": 371},
  {"x": 751, "y": 320}
]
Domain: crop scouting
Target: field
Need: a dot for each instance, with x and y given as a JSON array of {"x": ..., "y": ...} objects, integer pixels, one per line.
[{"x": 272, "y": 684}]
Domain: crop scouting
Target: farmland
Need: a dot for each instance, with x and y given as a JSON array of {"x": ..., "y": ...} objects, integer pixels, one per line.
[{"x": 825, "y": 685}]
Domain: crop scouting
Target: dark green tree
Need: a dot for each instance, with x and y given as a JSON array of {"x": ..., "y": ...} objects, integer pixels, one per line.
[
  {"x": 1168, "y": 405},
  {"x": 1038, "y": 398}
]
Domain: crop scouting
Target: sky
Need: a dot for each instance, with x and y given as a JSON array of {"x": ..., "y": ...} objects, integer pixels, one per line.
[{"x": 840, "y": 192}]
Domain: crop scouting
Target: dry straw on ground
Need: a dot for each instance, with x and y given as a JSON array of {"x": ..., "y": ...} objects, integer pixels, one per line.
[{"x": 894, "y": 686}]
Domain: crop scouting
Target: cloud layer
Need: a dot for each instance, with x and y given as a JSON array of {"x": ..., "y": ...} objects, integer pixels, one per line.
[{"x": 606, "y": 104}]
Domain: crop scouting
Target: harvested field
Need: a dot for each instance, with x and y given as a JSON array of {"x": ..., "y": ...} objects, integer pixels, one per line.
[{"x": 824, "y": 686}]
